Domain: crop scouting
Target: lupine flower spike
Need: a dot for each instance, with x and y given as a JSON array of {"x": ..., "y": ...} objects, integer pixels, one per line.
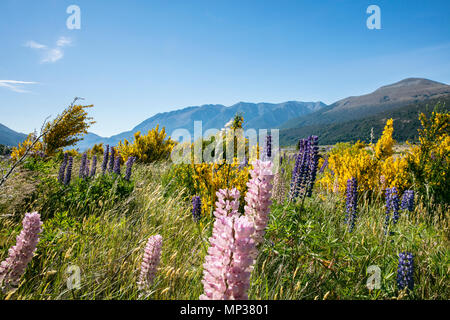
[
  {"x": 258, "y": 197},
  {"x": 408, "y": 200},
  {"x": 129, "y": 165},
  {"x": 116, "y": 169},
  {"x": 196, "y": 208},
  {"x": 405, "y": 271},
  {"x": 21, "y": 254},
  {"x": 94, "y": 166},
  {"x": 83, "y": 166},
  {"x": 395, "y": 205},
  {"x": 228, "y": 265},
  {"x": 62, "y": 168},
  {"x": 68, "y": 172},
  {"x": 150, "y": 262},
  {"x": 351, "y": 203},
  {"x": 111, "y": 160},
  {"x": 105, "y": 159}
]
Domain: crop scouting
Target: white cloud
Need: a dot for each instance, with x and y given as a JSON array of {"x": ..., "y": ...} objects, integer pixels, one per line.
[
  {"x": 63, "y": 41},
  {"x": 50, "y": 55},
  {"x": 53, "y": 55},
  {"x": 15, "y": 85},
  {"x": 35, "y": 45}
]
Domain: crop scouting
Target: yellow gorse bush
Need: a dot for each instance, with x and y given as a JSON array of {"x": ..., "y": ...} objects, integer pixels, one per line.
[
  {"x": 19, "y": 151},
  {"x": 148, "y": 148},
  {"x": 205, "y": 179},
  {"x": 357, "y": 160},
  {"x": 429, "y": 161}
]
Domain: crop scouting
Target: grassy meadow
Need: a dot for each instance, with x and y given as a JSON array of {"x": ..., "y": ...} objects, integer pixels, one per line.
[{"x": 101, "y": 226}]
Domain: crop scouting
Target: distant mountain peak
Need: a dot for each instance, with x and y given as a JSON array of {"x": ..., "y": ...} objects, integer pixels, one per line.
[{"x": 416, "y": 82}]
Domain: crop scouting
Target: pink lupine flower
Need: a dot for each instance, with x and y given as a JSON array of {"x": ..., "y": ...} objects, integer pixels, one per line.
[
  {"x": 258, "y": 197},
  {"x": 150, "y": 261},
  {"x": 21, "y": 254},
  {"x": 228, "y": 266}
]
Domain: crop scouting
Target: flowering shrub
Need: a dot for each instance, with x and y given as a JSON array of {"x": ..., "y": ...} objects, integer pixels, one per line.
[
  {"x": 19, "y": 151},
  {"x": 429, "y": 162},
  {"x": 148, "y": 148},
  {"x": 357, "y": 160},
  {"x": 205, "y": 179}
]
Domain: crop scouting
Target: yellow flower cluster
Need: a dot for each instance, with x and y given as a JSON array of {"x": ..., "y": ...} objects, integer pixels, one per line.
[
  {"x": 357, "y": 160},
  {"x": 429, "y": 162},
  {"x": 19, "y": 151},
  {"x": 205, "y": 179},
  {"x": 147, "y": 148}
]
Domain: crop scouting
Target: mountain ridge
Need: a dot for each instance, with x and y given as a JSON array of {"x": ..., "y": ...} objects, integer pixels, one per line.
[{"x": 9, "y": 137}]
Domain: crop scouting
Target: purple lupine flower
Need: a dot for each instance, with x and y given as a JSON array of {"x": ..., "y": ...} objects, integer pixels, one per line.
[
  {"x": 405, "y": 271},
  {"x": 150, "y": 262},
  {"x": 116, "y": 168},
  {"x": 86, "y": 169},
  {"x": 21, "y": 254},
  {"x": 83, "y": 165},
  {"x": 68, "y": 172},
  {"x": 196, "y": 208},
  {"x": 105, "y": 159},
  {"x": 298, "y": 173},
  {"x": 395, "y": 205},
  {"x": 313, "y": 161},
  {"x": 129, "y": 164},
  {"x": 62, "y": 168},
  {"x": 408, "y": 200},
  {"x": 268, "y": 147},
  {"x": 351, "y": 203},
  {"x": 94, "y": 166},
  {"x": 324, "y": 165},
  {"x": 111, "y": 160}
]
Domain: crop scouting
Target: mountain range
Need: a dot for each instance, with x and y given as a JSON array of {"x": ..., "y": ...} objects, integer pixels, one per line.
[
  {"x": 344, "y": 120},
  {"x": 10, "y": 137}
]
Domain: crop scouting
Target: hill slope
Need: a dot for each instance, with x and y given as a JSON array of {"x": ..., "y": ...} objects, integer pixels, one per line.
[
  {"x": 256, "y": 115},
  {"x": 386, "y": 98},
  {"x": 10, "y": 137},
  {"x": 405, "y": 118}
]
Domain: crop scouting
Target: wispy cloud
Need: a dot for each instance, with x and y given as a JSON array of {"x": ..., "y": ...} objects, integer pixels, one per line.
[
  {"x": 15, "y": 85},
  {"x": 50, "y": 55}
]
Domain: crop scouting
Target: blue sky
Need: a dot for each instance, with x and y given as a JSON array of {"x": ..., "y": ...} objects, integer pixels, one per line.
[{"x": 135, "y": 58}]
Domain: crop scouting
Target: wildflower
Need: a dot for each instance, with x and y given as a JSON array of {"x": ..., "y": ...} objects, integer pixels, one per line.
[
  {"x": 324, "y": 165},
  {"x": 268, "y": 147},
  {"x": 62, "y": 168},
  {"x": 150, "y": 262},
  {"x": 105, "y": 159},
  {"x": 228, "y": 265},
  {"x": 405, "y": 271},
  {"x": 68, "y": 172},
  {"x": 395, "y": 206},
  {"x": 94, "y": 165},
  {"x": 258, "y": 197},
  {"x": 388, "y": 209},
  {"x": 313, "y": 161},
  {"x": 21, "y": 254},
  {"x": 86, "y": 169},
  {"x": 83, "y": 165},
  {"x": 196, "y": 208},
  {"x": 351, "y": 203},
  {"x": 408, "y": 200},
  {"x": 279, "y": 186},
  {"x": 111, "y": 160},
  {"x": 116, "y": 168},
  {"x": 129, "y": 164},
  {"x": 299, "y": 171}
]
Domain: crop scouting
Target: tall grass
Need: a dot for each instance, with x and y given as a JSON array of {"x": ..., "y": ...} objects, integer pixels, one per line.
[{"x": 307, "y": 253}]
